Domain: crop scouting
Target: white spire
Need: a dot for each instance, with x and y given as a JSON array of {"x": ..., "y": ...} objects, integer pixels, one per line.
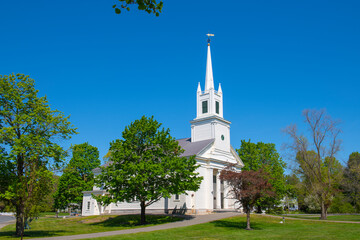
[
  {"x": 219, "y": 89},
  {"x": 199, "y": 88},
  {"x": 209, "y": 79}
]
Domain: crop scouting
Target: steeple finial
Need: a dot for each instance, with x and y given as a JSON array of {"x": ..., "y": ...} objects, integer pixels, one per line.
[
  {"x": 209, "y": 35},
  {"x": 209, "y": 79}
]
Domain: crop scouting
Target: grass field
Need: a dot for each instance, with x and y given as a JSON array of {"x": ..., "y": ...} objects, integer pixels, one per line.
[
  {"x": 49, "y": 214},
  {"x": 52, "y": 227},
  {"x": 264, "y": 228},
  {"x": 352, "y": 218}
]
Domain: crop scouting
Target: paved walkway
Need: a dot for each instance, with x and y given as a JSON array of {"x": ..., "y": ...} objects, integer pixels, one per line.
[
  {"x": 186, "y": 222},
  {"x": 6, "y": 220}
]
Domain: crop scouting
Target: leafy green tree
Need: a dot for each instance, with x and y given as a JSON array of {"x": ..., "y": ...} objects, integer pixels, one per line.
[
  {"x": 28, "y": 133},
  {"x": 296, "y": 188},
  {"x": 149, "y": 6},
  {"x": 341, "y": 204},
  {"x": 7, "y": 173},
  {"x": 146, "y": 166},
  {"x": 351, "y": 183},
  {"x": 48, "y": 201},
  {"x": 310, "y": 189},
  {"x": 292, "y": 193},
  {"x": 69, "y": 189},
  {"x": 77, "y": 176},
  {"x": 292, "y": 184},
  {"x": 256, "y": 156}
]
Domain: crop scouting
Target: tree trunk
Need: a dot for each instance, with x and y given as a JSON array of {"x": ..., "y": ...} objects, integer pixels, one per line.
[
  {"x": 20, "y": 206},
  {"x": 248, "y": 219},
  {"x": 259, "y": 210},
  {"x": 69, "y": 210},
  {"x": 323, "y": 211},
  {"x": 143, "y": 219},
  {"x": 20, "y": 220},
  {"x": 326, "y": 208}
]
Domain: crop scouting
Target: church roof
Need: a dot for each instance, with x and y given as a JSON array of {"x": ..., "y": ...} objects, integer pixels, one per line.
[{"x": 193, "y": 148}]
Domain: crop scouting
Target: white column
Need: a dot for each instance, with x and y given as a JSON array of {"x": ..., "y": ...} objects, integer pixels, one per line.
[
  {"x": 218, "y": 191},
  {"x": 226, "y": 197},
  {"x": 209, "y": 190}
]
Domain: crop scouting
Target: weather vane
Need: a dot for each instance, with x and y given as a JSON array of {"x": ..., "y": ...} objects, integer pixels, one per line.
[{"x": 209, "y": 35}]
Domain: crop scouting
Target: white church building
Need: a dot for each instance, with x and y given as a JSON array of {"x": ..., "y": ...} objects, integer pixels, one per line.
[{"x": 210, "y": 143}]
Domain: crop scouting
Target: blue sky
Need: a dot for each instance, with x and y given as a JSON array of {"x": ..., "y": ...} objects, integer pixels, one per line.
[{"x": 273, "y": 59}]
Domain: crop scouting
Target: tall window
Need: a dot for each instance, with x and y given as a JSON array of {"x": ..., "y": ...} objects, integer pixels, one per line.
[
  {"x": 217, "y": 107},
  {"x": 88, "y": 205},
  {"x": 177, "y": 197},
  {"x": 204, "y": 107}
]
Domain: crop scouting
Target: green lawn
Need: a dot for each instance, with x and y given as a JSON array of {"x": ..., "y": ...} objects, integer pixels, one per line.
[
  {"x": 353, "y": 218},
  {"x": 264, "y": 228},
  {"x": 232, "y": 228},
  {"x": 52, "y": 227},
  {"x": 48, "y": 214}
]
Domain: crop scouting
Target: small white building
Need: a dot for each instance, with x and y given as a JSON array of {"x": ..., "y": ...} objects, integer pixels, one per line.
[{"x": 210, "y": 142}]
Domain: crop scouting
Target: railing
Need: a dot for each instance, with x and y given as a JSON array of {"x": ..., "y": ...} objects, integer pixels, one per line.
[{"x": 203, "y": 92}]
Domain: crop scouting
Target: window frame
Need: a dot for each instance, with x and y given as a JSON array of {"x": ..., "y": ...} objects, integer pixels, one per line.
[
  {"x": 176, "y": 198},
  {"x": 205, "y": 107}
]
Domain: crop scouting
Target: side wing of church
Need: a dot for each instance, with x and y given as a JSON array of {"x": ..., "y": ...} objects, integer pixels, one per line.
[{"x": 210, "y": 143}]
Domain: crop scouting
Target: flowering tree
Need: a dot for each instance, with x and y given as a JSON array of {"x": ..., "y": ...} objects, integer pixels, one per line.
[{"x": 247, "y": 187}]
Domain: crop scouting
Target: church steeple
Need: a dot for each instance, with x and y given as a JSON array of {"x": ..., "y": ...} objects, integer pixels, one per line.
[
  {"x": 209, "y": 122},
  {"x": 209, "y": 79},
  {"x": 209, "y": 101}
]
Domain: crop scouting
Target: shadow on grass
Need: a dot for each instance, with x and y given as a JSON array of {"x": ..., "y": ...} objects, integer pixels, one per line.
[
  {"x": 134, "y": 220},
  {"x": 241, "y": 225},
  {"x": 32, "y": 234}
]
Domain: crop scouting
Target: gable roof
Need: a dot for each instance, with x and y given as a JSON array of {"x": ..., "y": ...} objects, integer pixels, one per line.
[{"x": 193, "y": 148}]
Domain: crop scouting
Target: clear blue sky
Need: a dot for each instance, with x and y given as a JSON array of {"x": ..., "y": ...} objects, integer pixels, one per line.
[{"x": 273, "y": 59}]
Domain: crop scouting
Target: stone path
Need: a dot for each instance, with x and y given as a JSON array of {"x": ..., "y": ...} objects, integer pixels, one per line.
[{"x": 192, "y": 220}]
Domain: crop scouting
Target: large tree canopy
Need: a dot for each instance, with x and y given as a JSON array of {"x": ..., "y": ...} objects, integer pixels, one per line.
[
  {"x": 149, "y": 6},
  {"x": 351, "y": 183},
  {"x": 29, "y": 130},
  {"x": 77, "y": 176},
  {"x": 256, "y": 156},
  {"x": 331, "y": 173},
  {"x": 146, "y": 166},
  {"x": 315, "y": 154}
]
